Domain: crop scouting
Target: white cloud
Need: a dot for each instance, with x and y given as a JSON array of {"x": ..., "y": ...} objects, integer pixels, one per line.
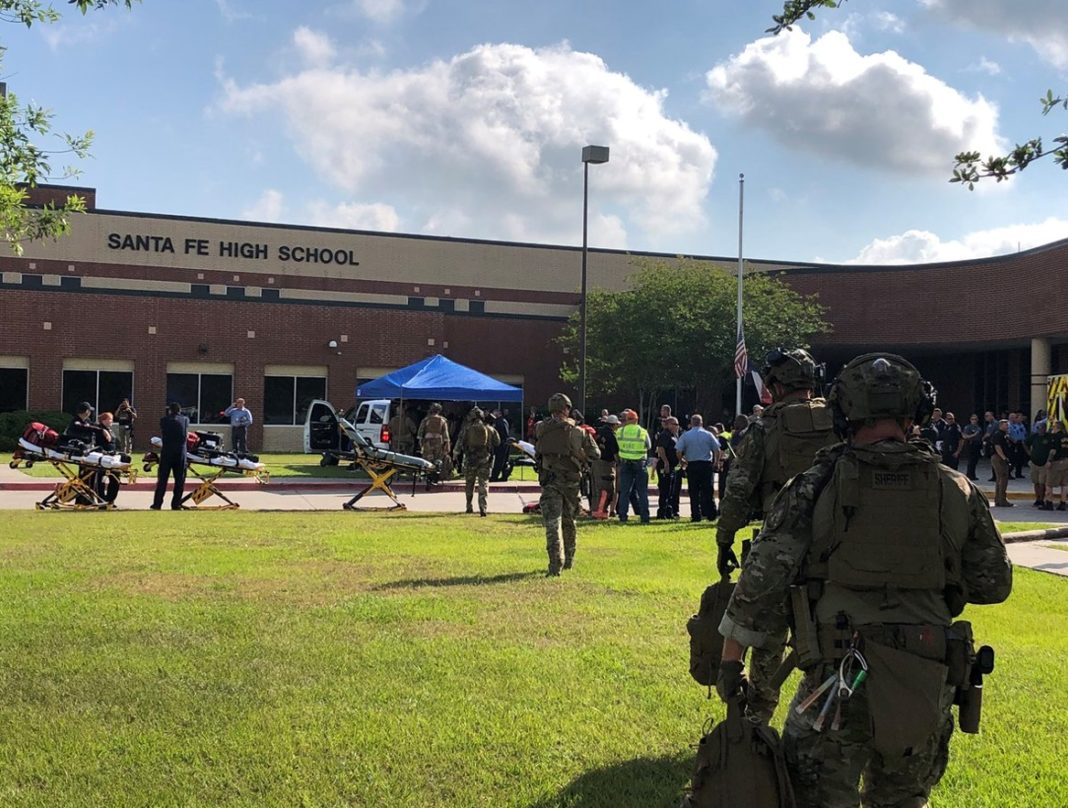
[
  {"x": 1040, "y": 23},
  {"x": 231, "y": 14},
  {"x": 488, "y": 143},
  {"x": 380, "y": 11},
  {"x": 887, "y": 21},
  {"x": 984, "y": 65},
  {"x": 354, "y": 216},
  {"x": 268, "y": 208},
  {"x": 922, "y": 246},
  {"x": 854, "y": 26},
  {"x": 63, "y": 35},
  {"x": 315, "y": 49},
  {"x": 877, "y": 110}
]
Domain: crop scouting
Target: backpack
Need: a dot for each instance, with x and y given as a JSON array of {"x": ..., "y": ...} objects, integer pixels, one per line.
[
  {"x": 740, "y": 763},
  {"x": 477, "y": 437},
  {"x": 706, "y": 643},
  {"x": 798, "y": 431}
]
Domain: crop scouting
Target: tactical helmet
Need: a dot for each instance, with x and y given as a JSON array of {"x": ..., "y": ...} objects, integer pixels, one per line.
[
  {"x": 559, "y": 402},
  {"x": 793, "y": 368},
  {"x": 879, "y": 385}
]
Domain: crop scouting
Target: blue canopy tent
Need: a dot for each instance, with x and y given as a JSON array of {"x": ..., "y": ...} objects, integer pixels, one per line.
[{"x": 441, "y": 379}]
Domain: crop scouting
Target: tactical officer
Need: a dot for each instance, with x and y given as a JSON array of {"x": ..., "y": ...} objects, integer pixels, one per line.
[
  {"x": 780, "y": 443},
  {"x": 561, "y": 451},
  {"x": 434, "y": 441},
  {"x": 478, "y": 441},
  {"x": 402, "y": 432},
  {"x": 880, "y": 547}
]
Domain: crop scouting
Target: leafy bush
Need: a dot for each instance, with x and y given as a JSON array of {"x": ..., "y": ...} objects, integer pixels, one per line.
[{"x": 13, "y": 424}]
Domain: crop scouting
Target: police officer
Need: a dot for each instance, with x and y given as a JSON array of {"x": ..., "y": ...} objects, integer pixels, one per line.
[
  {"x": 173, "y": 429},
  {"x": 782, "y": 442},
  {"x": 402, "y": 431},
  {"x": 561, "y": 451},
  {"x": 478, "y": 441},
  {"x": 434, "y": 442},
  {"x": 883, "y": 547}
]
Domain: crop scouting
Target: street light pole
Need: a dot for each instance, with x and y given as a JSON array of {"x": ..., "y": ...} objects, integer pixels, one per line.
[{"x": 595, "y": 155}]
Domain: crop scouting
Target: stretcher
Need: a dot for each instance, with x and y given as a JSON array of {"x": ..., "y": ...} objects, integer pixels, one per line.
[
  {"x": 206, "y": 463},
  {"x": 88, "y": 473},
  {"x": 381, "y": 466}
]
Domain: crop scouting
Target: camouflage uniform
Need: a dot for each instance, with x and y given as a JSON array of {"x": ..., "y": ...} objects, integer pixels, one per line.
[
  {"x": 559, "y": 475},
  {"x": 748, "y": 489},
  {"x": 434, "y": 440},
  {"x": 826, "y": 767},
  {"x": 478, "y": 459},
  {"x": 402, "y": 433}
]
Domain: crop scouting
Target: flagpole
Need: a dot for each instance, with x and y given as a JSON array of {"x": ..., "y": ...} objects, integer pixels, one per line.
[{"x": 740, "y": 333}]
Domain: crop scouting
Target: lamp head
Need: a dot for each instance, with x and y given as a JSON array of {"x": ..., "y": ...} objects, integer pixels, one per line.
[{"x": 595, "y": 154}]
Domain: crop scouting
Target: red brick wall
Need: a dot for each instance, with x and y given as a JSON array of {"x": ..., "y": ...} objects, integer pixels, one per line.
[
  {"x": 874, "y": 306},
  {"x": 101, "y": 326}
]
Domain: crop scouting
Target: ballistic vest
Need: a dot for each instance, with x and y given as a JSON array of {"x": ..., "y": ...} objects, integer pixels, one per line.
[
  {"x": 632, "y": 439},
  {"x": 476, "y": 438},
  {"x": 794, "y": 432},
  {"x": 888, "y": 531},
  {"x": 559, "y": 446}
]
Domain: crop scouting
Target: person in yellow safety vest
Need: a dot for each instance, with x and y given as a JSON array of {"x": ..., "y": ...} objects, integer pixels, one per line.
[{"x": 634, "y": 447}]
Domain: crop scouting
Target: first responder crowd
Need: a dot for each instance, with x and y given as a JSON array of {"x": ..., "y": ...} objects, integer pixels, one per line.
[{"x": 870, "y": 549}]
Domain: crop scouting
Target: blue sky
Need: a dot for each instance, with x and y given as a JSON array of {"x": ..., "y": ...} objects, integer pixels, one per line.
[{"x": 467, "y": 119}]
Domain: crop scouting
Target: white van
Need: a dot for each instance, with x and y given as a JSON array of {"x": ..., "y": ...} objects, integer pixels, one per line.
[{"x": 371, "y": 419}]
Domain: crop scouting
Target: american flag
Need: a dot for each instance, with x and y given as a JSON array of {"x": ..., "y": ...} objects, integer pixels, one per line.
[{"x": 741, "y": 357}]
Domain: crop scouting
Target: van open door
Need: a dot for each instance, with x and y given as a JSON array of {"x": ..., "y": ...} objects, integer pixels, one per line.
[{"x": 320, "y": 428}]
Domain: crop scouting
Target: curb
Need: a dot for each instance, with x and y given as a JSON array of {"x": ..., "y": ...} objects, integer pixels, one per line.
[{"x": 1036, "y": 535}]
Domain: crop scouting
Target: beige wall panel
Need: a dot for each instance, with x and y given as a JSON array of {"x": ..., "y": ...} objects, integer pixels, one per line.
[
  {"x": 283, "y": 439},
  {"x": 200, "y": 367},
  {"x": 98, "y": 364},
  {"x": 296, "y": 370}
]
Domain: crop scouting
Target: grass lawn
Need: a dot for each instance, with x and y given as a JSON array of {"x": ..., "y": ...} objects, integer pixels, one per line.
[{"x": 322, "y": 659}]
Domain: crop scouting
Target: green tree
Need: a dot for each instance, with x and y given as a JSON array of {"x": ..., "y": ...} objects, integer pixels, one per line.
[
  {"x": 640, "y": 341},
  {"x": 24, "y": 161},
  {"x": 970, "y": 166}
]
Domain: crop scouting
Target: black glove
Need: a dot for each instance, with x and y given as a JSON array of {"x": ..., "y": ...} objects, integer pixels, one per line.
[
  {"x": 731, "y": 683},
  {"x": 726, "y": 561}
]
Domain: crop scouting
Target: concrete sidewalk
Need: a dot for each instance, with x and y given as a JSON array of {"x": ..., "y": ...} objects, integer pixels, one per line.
[
  {"x": 1045, "y": 556},
  {"x": 19, "y": 490}
]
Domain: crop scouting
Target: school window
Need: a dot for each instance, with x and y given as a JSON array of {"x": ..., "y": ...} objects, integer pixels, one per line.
[
  {"x": 202, "y": 396},
  {"x": 286, "y": 399},
  {"x": 13, "y": 387},
  {"x": 103, "y": 389}
]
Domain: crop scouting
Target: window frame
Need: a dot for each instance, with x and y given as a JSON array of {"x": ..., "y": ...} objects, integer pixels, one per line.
[
  {"x": 200, "y": 393},
  {"x": 26, "y": 386},
  {"x": 97, "y": 409},
  {"x": 294, "y": 380}
]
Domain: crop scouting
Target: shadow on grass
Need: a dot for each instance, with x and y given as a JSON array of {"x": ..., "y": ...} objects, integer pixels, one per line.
[
  {"x": 640, "y": 783},
  {"x": 466, "y": 580}
]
